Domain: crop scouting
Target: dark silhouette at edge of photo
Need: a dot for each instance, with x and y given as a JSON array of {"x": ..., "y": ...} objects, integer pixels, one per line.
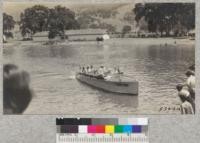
[{"x": 16, "y": 91}]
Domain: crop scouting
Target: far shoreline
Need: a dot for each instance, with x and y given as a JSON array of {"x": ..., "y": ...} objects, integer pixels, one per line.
[{"x": 138, "y": 41}]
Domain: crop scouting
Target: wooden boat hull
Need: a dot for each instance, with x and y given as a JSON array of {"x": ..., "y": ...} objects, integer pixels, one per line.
[{"x": 130, "y": 88}]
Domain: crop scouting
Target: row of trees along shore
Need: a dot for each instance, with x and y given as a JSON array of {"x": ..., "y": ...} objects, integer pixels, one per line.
[
  {"x": 167, "y": 17},
  {"x": 160, "y": 17}
]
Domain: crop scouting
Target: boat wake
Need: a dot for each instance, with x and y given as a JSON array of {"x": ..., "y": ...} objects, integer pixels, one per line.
[{"x": 72, "y": 77}]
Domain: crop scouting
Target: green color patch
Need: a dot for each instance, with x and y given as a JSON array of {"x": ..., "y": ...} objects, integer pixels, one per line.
[{"x": 118, "y": 129}]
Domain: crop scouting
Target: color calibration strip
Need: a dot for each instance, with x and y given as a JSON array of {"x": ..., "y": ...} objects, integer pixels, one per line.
[{"x": 102, "y": 130}]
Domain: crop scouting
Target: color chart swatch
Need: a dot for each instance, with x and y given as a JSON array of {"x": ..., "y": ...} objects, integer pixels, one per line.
[{"x": 102, "y": 130}]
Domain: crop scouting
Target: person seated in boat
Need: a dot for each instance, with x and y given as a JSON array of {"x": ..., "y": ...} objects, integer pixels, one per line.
[
  {"x": 101, "y": 70},
  {"x": 108, "y": 77},
  {"x": 80, "y": 69},
  {"x": 183, "y": 92},
  {"x": 190, "y": 83},
  {"x": 117, "y": 71},
  {"x": 95, "y": 72},
  {"x": 87, "y": 69},
  {"x": 92, "y": 70},
  {"x": 100, "y": 73},
  {"x": 83, "y": 70},
  {"x": 116, "y": 74},
  {"x": 107, "y": 74}
]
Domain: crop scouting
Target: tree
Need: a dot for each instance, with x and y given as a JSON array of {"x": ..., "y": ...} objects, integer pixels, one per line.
[
  {"x": 40, "y": 18},
  {"x": 126, "y": 29},
  {"x": 86, "y": 19},
  {"x": 129, "y": 17},
  {"x": 164, "y": 17},
  {"x": 34, "y": 20},
  {"x": 109, "y": 27},
  {"x": 61, "y": 19},
  {"x": 8, "y": 25}
]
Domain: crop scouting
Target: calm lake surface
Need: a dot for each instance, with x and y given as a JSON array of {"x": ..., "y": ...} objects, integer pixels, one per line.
[{"x": 157, "y": 67}]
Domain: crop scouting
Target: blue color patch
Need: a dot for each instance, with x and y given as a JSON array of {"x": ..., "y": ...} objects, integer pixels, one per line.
[{"x": 127, "y": 129}]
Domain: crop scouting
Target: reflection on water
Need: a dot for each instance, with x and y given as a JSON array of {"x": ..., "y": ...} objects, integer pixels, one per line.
[{"x": 157, "y": 67}]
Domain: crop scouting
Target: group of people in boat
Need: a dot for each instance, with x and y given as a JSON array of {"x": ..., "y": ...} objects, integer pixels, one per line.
[
  {"x": 186, "y": 92},
  {"x": 101, "y": 72}
]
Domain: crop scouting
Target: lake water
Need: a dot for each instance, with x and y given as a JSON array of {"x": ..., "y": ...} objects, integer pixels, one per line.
[{"x": 157, "y": 67}]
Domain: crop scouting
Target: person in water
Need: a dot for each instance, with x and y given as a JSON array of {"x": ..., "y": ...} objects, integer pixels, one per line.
[
  {"x": 186, "y": 99},
  {"x": 16, "y": 90}
]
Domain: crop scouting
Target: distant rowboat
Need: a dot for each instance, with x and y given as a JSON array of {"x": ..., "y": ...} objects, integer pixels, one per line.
[{"x": 121, "y": 87}]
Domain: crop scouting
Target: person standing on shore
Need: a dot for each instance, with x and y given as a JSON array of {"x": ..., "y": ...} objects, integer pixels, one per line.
[
  {"x": 186, "y": 107},
  {"x": 188, "y": 104},
  {"x": 190, "y": 83},
  {"x": 192, "y": 68}
]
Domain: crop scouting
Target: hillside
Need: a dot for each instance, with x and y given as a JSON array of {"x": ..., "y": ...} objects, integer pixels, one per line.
[{"x": 103, "y": 15}]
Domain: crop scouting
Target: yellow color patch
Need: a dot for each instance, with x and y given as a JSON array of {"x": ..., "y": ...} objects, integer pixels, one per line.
[{"x": 109, "y": 129}]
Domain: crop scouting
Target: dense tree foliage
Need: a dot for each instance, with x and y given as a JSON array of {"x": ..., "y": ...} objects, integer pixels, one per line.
[
  {"x": 8, "y": 25},
  {"x": 129, "y": 17},
  {"x": 34, "y": 19},
  {"x": 86, "y": 20},
  {"x": 166, "y": 17},
  {"x": 126, "y": 29},
  {"x": 40, "y": 18},
  {"x": 109, "y": 27},
  {"x": 61, "y": 19}
]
